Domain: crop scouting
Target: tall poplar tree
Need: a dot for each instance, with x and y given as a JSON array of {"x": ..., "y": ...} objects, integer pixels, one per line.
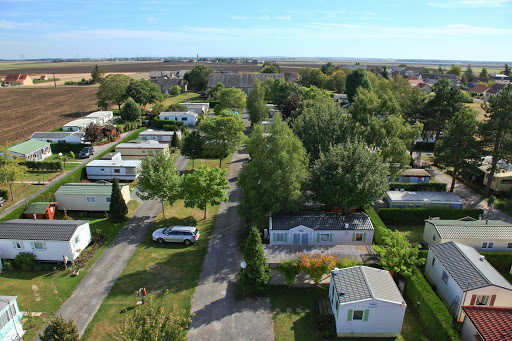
[{"x": 118, "y": 209}]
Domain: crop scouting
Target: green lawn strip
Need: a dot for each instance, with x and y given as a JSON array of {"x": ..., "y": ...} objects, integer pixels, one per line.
[
  {"x": 20, "y": 191},
  {"x": 170, "y": 266},
  {"x": 191, "y": 96},
  {"x": 53, "y": 288},
  {"x": 75, "y": 176},
  {"x": 303, "y": 325},
  {"x": 413, "y": 233},
  {"x": 210, "y": 163}
]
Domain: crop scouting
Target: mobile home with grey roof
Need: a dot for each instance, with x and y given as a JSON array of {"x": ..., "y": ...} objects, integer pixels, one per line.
[{"x": 88, "y": 196}]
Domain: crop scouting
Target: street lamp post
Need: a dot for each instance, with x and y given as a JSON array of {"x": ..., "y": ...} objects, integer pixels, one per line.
[{"x": 243, "y": 265}]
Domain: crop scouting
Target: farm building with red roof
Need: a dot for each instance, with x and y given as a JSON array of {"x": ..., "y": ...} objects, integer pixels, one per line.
[{"x": 18, "y": 79}]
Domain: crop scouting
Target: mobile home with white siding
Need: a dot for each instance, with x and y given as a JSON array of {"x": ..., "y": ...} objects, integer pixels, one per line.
[
  {"x": 88, "y": 196},
  {"x": 321, "y": 229},
  {"x": 366, "y": 302},
  {"x": 123, "y": 170},
  {"x": 48, "y": 240}
]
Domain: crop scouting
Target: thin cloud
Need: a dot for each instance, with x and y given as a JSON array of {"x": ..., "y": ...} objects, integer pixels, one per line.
[
  {"x": 239, "y": 18},
  {"x": 11, "y": 25},
  {"x": 470, "y": 3},
  {"x": 157, "y": 35},
  {"x": 285, "y": 17}
]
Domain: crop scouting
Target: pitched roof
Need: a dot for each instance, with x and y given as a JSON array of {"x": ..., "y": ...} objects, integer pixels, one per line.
[
  {"x": 424, "y": 196},
  {"x": 114, "y": 163},
  {"x": 56, "y": 134},
  {"x": 492, "y": 323},
  {"x": 414, "y": 172},
  {"x": 178, "y": 113},
  {"x": 465, "y": 266},
  {"x": 27, "y": 229},
  {"x": 144, "y": 144},
  {"x": 38, "y": 207},
  {"x": 322, "y": 221},
  {"x": 86, "y": 189},
  {"x": 480, "y": 88},
  {"x": 28, "y": 147},
  {"x": 151, "y": 132},
  {"x": 240, "y": 80},
  {"x": 99, "y": 114},
  {"x": 438, "y": 76},
  {"x": 362, "y": 283},
  {"x": 476, "y": 229},
  {"x": 78, "y": 122},
  {"x": 15, "y": 77},
  {"x": 495, "y": 89}
]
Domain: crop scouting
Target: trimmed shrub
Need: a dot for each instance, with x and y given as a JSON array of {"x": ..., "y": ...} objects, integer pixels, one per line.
[
  {"x": 424, "y": 146},
  {"x": 417, "y": 216},
  {"x": 25, "y": 261},
  {"x": 43, "y": 165},
  {"x": 432, "y": 311},
  {"x": 419, "y": 187},
  {"x": 4, "y": 193},
  {"x": 380, "y": 230},
  {"x": 157, "y": 123},
  {"x": 67, "y": 147}
]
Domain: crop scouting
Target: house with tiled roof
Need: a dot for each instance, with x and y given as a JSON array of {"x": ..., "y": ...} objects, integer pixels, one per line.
[
  {"x": 463, "y": 277},
  {"x": 479, "y": 89},
  {"x": 32, "y": 150},
  {"x": 494, "y": 90},
  {"x": 427, "y": 88},
  {"x": 483, "y": 235},
  {"x": 366, "y": 302},
  {"x": 48, "y": 240},
  {"x": 88, "y": 196},
  {"x": 18, "y": 79},
  {"x": 487, "y": 323},
  {"x": 313, "y": 228}
]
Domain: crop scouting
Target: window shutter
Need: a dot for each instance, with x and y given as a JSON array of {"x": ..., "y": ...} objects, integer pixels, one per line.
[
  {"x": 366, "y": 314},
  {"x": 364, "y": 237},
  {"x": 32, "y": 245},
  {"x": 493, "y": 298},
  {"x": 286, "y": 237},
  {"x": 353, "y": 237},
  {"x": 330, "y": 237},
  {"x": 44, "y": 246},
  {"x": 473, "y": 299},
  {"x": 349, "y": 316},
  {"x": 14, "y": 245},
  {"x": 318, "y": 237},
  {"x": 274, "y": 237}
]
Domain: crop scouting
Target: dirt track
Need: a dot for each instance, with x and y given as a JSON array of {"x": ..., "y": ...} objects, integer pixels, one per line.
[{"x": 24, "y": 111}]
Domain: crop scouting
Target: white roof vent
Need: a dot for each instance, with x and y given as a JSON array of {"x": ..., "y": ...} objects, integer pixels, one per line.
[
  {"x": 482, "y": 258},
  {"x": 402, "y": 189},
  {"x": 346, "y": 225}
]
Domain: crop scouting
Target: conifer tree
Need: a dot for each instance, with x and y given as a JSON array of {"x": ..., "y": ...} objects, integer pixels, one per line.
[
  {"x": 118, "y": 208},
  {"x": 59, "y": 328},
  {"x": 255, "y": 278}
]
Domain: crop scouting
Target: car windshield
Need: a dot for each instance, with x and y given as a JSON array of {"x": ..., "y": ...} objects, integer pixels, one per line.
[
  {"x": 167, "y": 230},
  {"x": 85, "y": 150},
  {"x": 195, "y": 231}
]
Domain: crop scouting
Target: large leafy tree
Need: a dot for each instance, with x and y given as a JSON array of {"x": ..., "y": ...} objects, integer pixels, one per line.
[
  {"x": 355, "y": 79},
  {"x": 112, "y": 90},
  {"x": 256, "y": 105},
  {"x": 222, "y": 135},
  {"x": 130, "y": 111},
  {"x": 484, "y": 73},
  {"x": 255, "y": 278},
  {"x": 198, "y": 77},
  {"x": 328, "y": 68},
  {"x": 192, "y": 146},
  {"x": 205, "y": 186},
  {"x": 455, "y": 70},
  {"x": 441, "y": 108},
  {"x": 270, "y": 67},
  {"x": 97, "y": 74},
  {"x": 143, "y": 92},
  {"x": 337, "y": 81},
  {"x": 159, "y": 179},
  {"x": 495, "y": 131},
  {"x": 11, "y": 169},
  {"x": 459, "y": 148},
  {"x": 348, "y": 176},
  {"x": 118, "y": 209},
  {"x": 273, "y": 180},
  {"x": 59, "y": 328},
  {"x": 309, "y": 77},
  {"x": 398, "y": 255},
  {"x": 213, "y": 93},
  {"x": 152, "y": 322},
  {"x": 321, "y": 126},
  {"x": 232, "y": 98}
]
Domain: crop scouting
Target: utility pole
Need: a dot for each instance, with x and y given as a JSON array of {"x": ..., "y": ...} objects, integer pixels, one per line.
[{"x": 54, "y": 82}]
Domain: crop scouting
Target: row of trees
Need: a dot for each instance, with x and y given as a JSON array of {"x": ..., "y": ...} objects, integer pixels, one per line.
[{"x": 117, "y": 88}]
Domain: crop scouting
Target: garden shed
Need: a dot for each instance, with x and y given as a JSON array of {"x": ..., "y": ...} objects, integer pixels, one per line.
[{"x": 41, "y": 210}]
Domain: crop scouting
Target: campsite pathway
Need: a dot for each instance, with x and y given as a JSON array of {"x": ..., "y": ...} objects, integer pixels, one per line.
[
  {"x": 218, "y": 316},
  {"x": 97, "y": 150},
  {"x": 99, "y": 280}
]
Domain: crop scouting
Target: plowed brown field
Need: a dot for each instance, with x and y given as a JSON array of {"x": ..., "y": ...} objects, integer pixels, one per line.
[{"x": 24, "y": 111}]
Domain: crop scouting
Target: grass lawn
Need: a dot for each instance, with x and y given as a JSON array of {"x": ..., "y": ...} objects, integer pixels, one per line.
[
  {"x": 191, "y": 96},
  {"x": 428, "y": 158},
  {"x": 20, "y": 191},
  {"x": 211, "y": 162},
  {"x": 158, "y": 268},
  {"x": 413, "y": 233},
  {"x": 303, "y": 326},
  {"x": 46, "y": 290},
  {"x": 478, "y": 108}
]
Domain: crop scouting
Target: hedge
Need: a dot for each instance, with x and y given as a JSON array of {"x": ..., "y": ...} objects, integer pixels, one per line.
[
  {"x": 432, "y": 311},
  {"x": 500, "y": 260},
  {"x": 424, "y": 146},
  {"x": 420, "y": 187},
  {"x": 76, "y": 176},
  {"x": 380, "y": 230},
  {"x": 67, "y": 147},
  {"x": 157, "y": 123},
  {"x": 4, "y": 193},
  {"x": 417, "y": 216},
  {"x": 43, "y": 165}
]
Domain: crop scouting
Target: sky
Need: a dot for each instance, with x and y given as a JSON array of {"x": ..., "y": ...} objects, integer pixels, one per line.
[{"x": 405, "y": 29}]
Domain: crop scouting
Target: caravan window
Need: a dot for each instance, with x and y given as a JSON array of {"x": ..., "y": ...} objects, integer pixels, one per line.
[
  {"x": 358, "y": 315},
  {"x": 91, "y": 199},
  {"x": 117, "y": 171},
  {"x": 325, "y": 237},
  {"x": 38, "y": 246}
]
